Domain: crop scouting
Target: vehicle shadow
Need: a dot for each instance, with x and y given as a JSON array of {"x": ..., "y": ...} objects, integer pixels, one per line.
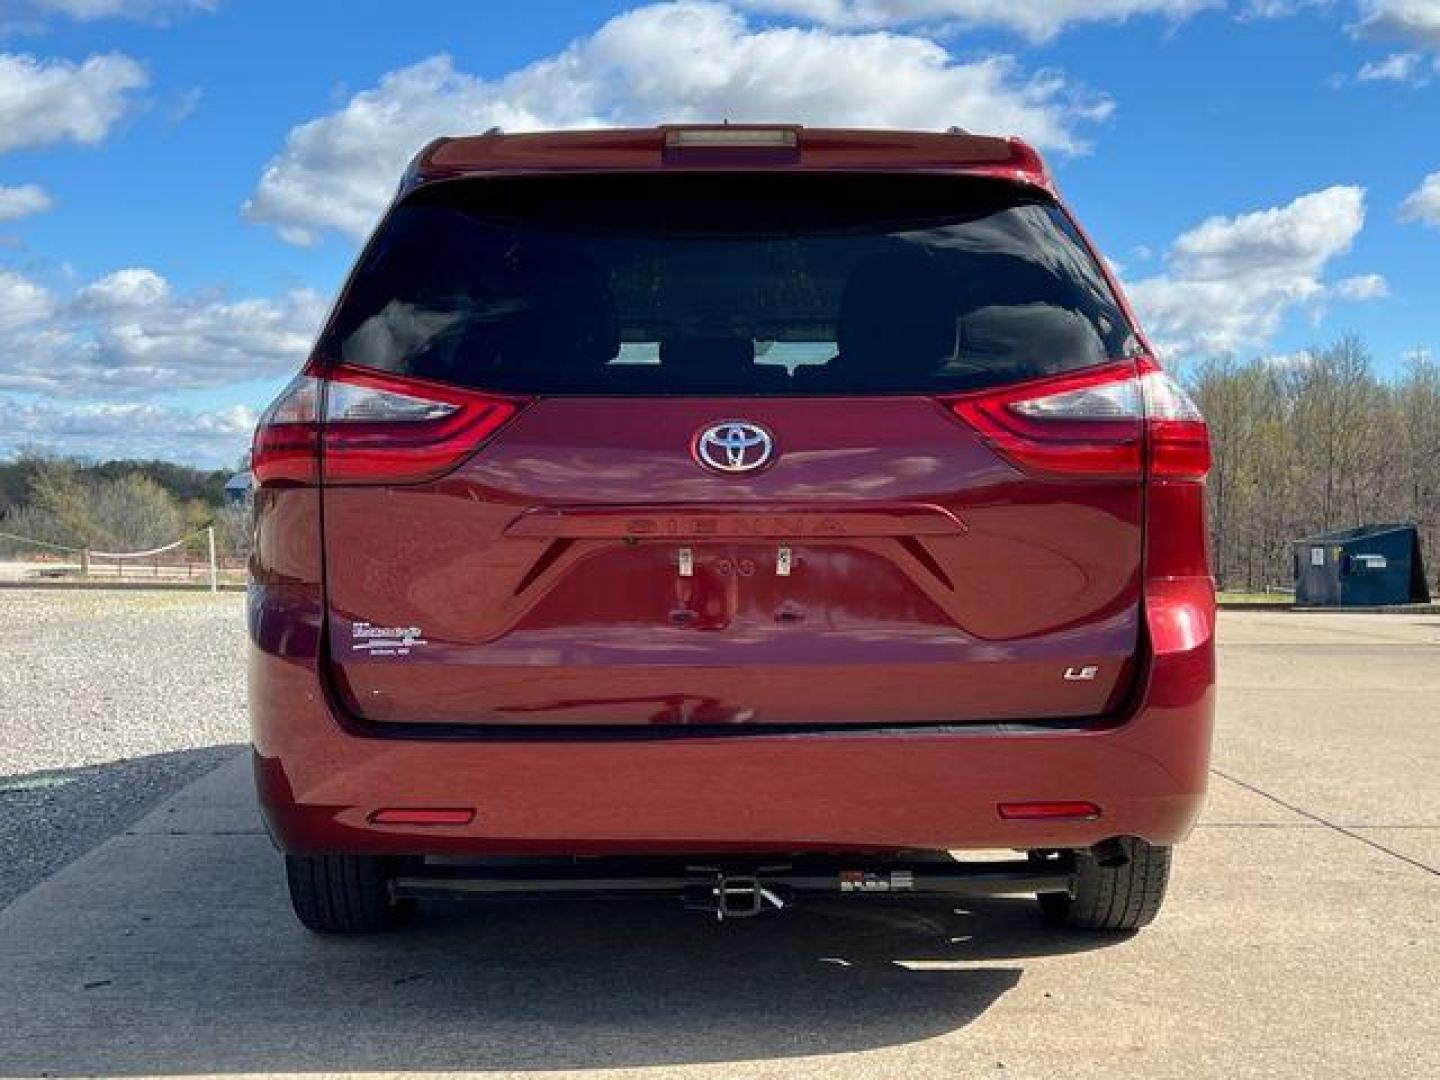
[
  {"x": 558, "y": 985},
  {"x": 171, "y": 949}
]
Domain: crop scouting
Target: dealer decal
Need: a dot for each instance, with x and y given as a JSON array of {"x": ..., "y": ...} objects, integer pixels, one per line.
[{"x": 384, "y": 640}]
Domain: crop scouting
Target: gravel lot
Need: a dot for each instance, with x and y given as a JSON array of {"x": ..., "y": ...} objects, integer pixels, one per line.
[{"x": 109, "y": 702}]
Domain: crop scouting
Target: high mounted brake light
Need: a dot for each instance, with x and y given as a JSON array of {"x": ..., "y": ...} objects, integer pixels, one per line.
[
  {"x": 1113, "y": 422},
  {"x": 729, "y": 146},
  {"x": 730, "y": 137},
  {"x": 372, "y": 428}
]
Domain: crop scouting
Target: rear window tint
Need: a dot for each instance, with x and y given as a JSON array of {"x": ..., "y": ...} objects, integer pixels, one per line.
[{"x": 727, "y": 284}]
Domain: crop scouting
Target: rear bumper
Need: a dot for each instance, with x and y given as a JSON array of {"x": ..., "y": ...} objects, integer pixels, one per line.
[{"x": 320, "y": 782}]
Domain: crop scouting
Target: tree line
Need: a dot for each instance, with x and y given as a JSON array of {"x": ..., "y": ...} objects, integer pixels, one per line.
[
  {"x": 114, "y": 505},
  {"x": 1313, "y": 443}
]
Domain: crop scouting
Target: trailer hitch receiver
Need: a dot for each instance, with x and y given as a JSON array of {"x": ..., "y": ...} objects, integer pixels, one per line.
[{"x": 733, "y": 896}]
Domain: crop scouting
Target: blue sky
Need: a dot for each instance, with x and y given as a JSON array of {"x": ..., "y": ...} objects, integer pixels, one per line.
[{"x": 183, "y": 183}]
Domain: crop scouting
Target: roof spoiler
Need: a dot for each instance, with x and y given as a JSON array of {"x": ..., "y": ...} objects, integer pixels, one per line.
[{"x": 727, "y": 146}]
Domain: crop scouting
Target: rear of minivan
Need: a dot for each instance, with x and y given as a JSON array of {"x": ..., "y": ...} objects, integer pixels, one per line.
[{"x": 694, "y": 491}]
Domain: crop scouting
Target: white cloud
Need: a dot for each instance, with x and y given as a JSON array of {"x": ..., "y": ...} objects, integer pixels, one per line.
[
  {"x": 1416, "y": 22},
  {"x": 82, "y": 369},
  {"x": 1277, "y": 9},
  {"x": 1296, "y": 239},
  {"x": 133, "y": 288},
  {"x": 29, "y": 15},
  {"x": 126, "y": 430},
  {"x": 1402, "y": 67},
  {"x": 22, "y": 303},
  {"x": 111, "y": 9},
  {"x": 691, "y": 60},
  {"x": 49, "y": 101},
  {"x": 18, "y": 202},
  {"x": 1231, "y": 281},
  {"x": 1361, "y": 287},
  {"x": 1423, "y": 204},
  {"x": 1036, "y": 21},
  {"x": 129, "y": 334}
]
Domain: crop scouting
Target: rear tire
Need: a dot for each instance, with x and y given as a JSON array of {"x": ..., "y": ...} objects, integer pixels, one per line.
[
  {"x": 1112, "y": 898},
  {"x": 345, "y": 894}
]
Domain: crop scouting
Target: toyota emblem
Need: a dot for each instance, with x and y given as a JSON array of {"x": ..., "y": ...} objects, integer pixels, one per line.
[{"x": 734, "y": 446}]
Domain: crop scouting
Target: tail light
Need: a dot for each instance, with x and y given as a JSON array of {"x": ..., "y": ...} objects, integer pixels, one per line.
[
  {"x": 382, "y": 429},
  {"x": 361, "y": 427},
  {"x": 1116, "y": 422},
  {"x": 1179, "y": 439},
  {"x": 286, "y": 447}
]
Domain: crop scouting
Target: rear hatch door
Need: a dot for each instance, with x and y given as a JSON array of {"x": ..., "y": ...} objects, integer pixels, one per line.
[{"x": 747, "y": 480}]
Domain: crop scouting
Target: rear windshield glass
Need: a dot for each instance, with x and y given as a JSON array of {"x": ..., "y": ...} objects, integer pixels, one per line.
[{"x": 727, "y": 284}]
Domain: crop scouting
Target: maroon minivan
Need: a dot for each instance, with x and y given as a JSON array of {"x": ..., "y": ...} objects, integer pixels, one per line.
[{"x": 741, "y": 514}]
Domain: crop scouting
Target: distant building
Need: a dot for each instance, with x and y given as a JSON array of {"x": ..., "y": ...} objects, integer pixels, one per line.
[{"x": 238, "y": 487}]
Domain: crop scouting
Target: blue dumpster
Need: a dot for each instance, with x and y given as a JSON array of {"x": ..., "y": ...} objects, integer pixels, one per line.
[{"x": 1371, "y": 566}]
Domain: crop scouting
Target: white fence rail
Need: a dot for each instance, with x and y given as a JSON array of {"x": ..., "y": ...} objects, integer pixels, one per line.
[{"x": 92, "y": 563}]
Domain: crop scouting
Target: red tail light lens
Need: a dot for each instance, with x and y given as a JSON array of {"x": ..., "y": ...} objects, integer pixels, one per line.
[
  {"x": 1107, "y": 423},
  {"x": 286, "y": 446},
  {"x": 372, "y": 428},
  {"x": 380, "y": 429},
  {"x": 1081, "y": 426},
  {"x": 1179, "y": 437}
]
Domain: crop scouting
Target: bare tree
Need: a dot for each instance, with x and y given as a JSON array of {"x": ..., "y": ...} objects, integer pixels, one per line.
[
  {"x": 135, "y": 513},
  {"x": 1319, "y": 442}
]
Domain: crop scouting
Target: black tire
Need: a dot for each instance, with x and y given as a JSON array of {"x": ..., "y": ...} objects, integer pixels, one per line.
[
  {"x": 345, "y": 894},
  {"x": 1113, "y": 898}
]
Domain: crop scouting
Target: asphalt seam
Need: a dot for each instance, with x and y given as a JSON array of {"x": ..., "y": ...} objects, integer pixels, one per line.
[
  {"x": 1327, "y": 691},
  {"x": 1341, "y": 829},
  {"x": 1369, "y": 643},
  {"x": 1258, "y": 825},
  {"x": 1306, "y": 825}
]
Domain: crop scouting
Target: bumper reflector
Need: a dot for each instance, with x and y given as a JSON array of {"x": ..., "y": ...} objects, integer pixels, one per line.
[
  {"x": 422, "y": 817},
  {"x": 1049, "y": 811}
]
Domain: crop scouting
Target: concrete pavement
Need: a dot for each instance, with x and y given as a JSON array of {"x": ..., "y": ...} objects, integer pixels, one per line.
[{"x": 1300, "y": 939}]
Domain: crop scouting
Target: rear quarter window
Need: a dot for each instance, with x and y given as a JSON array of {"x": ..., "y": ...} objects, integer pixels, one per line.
[{"x": 694, "y": 283}]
